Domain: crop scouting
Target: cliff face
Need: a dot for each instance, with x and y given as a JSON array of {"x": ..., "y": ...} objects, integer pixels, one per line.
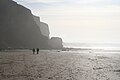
[
  {"x": 18, "y": 28},
  {"x": 55, "y": 43},
  {"x": 43, "y": 26}
]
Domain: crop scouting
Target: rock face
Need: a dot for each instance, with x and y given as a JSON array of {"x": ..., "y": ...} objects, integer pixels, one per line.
[
  {"x": 43, "y": 26},
  {"x": 56, "y": 43},
  {"x": 18, "y": 28}
]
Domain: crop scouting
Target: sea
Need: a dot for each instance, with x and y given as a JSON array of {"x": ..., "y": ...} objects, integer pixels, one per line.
[{"x": 106, "y": 46}]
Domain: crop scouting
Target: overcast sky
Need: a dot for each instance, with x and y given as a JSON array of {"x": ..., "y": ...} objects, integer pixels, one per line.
[{"x": 96, "y": 21}]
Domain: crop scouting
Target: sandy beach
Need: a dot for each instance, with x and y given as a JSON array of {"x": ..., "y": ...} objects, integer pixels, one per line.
[{"x": 63, "y": 65}]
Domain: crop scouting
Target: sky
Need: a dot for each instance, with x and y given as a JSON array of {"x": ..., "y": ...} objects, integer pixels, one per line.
[{"x": 83, "y": 21}]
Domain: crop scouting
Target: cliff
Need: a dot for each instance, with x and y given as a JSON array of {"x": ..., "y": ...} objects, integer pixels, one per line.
[
  {"x": 56, "y": 43},
  {"x": 43, "y": 26},
  {"x": 18, "y": 28}
]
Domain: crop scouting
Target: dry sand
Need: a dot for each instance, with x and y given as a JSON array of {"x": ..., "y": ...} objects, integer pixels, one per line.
[{"x": 53, "y": 65}]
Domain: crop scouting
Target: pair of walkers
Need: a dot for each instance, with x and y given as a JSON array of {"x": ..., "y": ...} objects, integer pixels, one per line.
[{"x": 36, "y": 50}]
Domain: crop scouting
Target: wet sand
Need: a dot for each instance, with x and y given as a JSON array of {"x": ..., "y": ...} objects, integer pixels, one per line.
[{"x": 64, "y": 65}]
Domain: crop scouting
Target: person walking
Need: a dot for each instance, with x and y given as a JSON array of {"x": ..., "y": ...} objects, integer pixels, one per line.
[
  {"x": 37, "y": 50},
  {"x": 33, "y": 50}
]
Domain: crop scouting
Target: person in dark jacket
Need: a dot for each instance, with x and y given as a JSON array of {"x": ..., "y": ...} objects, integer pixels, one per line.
[
  {"x": 37, "y": 50},
  {"x": 33, "y": 50}
]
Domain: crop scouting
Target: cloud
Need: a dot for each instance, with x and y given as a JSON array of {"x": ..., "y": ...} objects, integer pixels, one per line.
[
  {"x": 40, "y": 1},
  {"x": 68, "y": 3}
]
